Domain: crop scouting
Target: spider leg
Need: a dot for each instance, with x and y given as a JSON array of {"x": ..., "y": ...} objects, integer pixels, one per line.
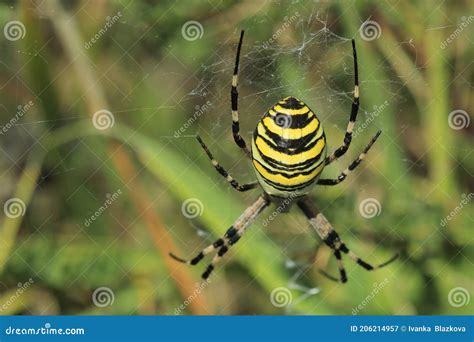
[
  {"x": 224, "y": 249},
  {"x": 234, "y": 99},
  {"x": 355, "y": 108},
  {"x": 232, "y": 234},
  {"x": 340, "y": 265},
  {"x": 331, "y": 238},
  {"x": 241, "y": 225},
  {"x": 194, "y": 261},
  {"x": 364, "y": 264},
  {"x": 352, "y": 166},
  {"x": 224, "y": 173},
  {"x": 231, "y": 240},
  {"x": 231, "y": 237}
]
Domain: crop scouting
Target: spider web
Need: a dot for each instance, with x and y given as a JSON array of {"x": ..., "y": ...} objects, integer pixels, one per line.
[
  {"x": 271, "y": 70},
  {"x": 302, "y": 57}
]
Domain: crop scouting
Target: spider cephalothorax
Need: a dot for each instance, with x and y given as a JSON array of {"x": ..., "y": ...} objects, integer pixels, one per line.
[{"x": 288, "y": 154}]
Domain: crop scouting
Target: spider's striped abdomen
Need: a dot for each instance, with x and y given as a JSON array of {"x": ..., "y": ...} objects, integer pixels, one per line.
[{"x": 288, "y": 149}]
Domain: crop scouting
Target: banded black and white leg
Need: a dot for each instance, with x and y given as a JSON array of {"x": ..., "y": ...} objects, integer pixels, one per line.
[
  {"x": 224, "y": 173},
  {"x": 355, "y": 109},
  {"x": 352, "y": 166},
  {"x": 234, "y": 99},
  {"x": 233, "y": 234},
  {"x": 331, "y": 238}
]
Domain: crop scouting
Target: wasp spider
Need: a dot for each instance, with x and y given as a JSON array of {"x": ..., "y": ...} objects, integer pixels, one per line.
[{"x": 288, "y": 153}]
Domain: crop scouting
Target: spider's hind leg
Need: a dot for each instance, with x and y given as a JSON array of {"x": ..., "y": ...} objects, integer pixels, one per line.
[
  {"x": 364, "y": 264},
  {"x": 194, "y": 261},
  {"x": 331, "y": 238},
  {"x": 231, "y": 237}
]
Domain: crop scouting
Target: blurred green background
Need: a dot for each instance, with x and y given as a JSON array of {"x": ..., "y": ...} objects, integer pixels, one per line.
[{"x": 99, "y": 105}]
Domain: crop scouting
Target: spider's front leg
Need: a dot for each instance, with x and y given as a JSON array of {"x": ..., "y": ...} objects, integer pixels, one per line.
[
  {"x": 327, "y": 233},
  {"x": 352, "y": 166},
  {"x": 235, "y": 184},
  {"x": 355, "y": 109},
  {"x": 234, "y": 100},
  {"x": 232, "y": 235}
]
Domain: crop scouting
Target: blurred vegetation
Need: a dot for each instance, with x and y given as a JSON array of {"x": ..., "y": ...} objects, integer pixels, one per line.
[{"x": 143, "y": 71}]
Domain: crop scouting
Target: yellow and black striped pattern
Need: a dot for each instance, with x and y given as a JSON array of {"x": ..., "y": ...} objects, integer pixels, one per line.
[{"x": 288, "y": 149}]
